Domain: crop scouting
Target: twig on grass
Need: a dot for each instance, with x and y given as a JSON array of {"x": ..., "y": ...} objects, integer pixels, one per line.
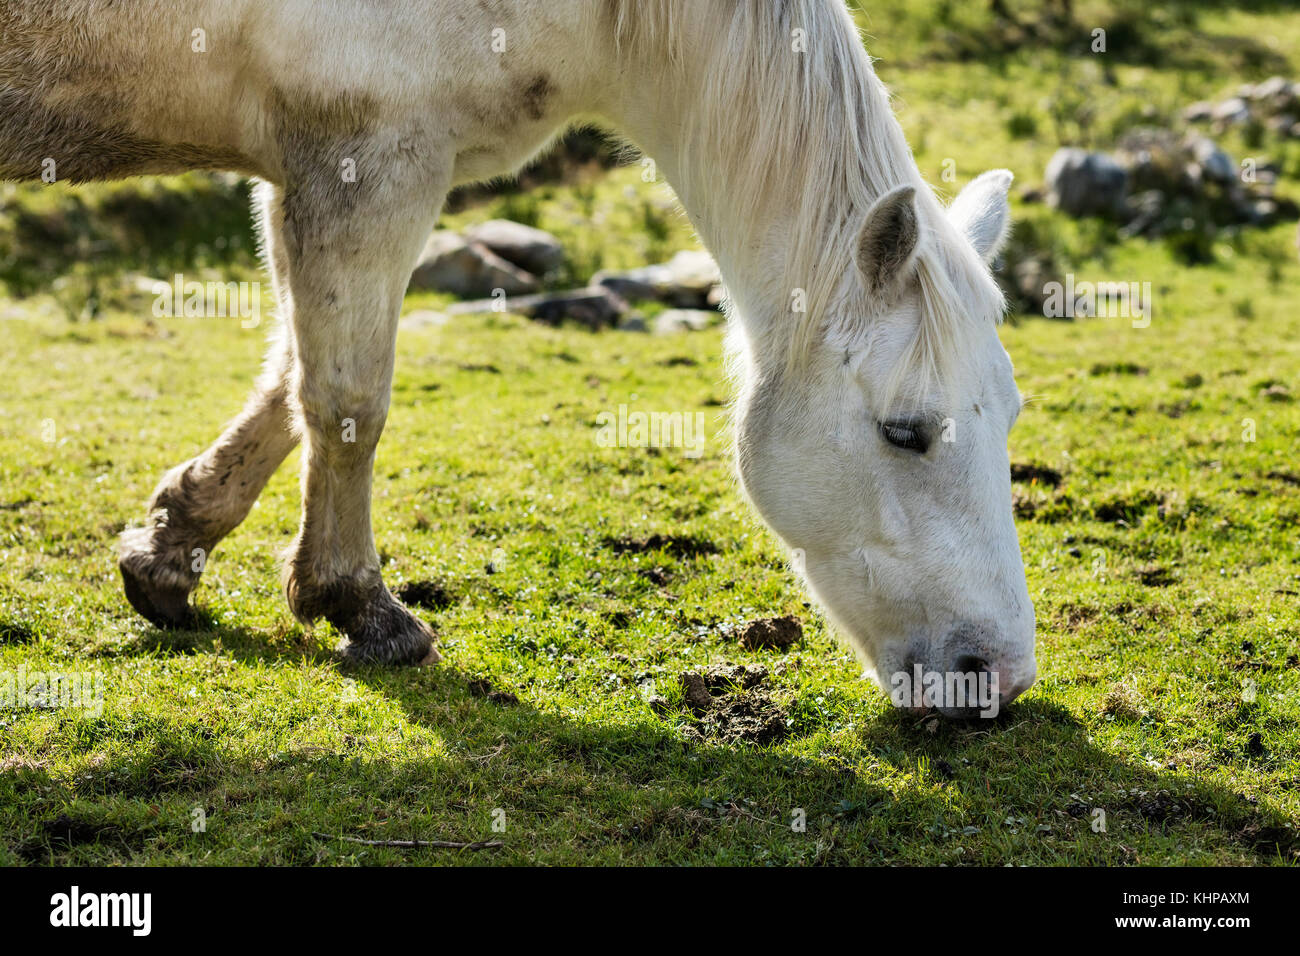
[{"x": 417, "y": 844}]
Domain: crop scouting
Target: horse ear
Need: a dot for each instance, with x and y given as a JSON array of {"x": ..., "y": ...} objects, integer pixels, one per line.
[
  {"x": 982, "y": 213},
  {"x": 889, "y": 239}
]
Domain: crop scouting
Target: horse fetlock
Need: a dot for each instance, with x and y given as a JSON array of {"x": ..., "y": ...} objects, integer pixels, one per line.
[{"x": 378, "y": 628}]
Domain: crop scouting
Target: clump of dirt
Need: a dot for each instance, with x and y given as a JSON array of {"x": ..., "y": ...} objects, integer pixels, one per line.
[
  {"x": 733, "y": 705},
  {"x": 429, "y": 595},
  {"x": 1285, "y": 477},
  {"x": 700, "y": 689},
  {"x": 1271, "y": 839},
  {"x": 1156, "y": 806},
  {"x": 15, "y": 632},
  {"x": 484, "y": 688},
  {"x": 1122, "y": 701},
  {"x": 753, "y": 718},
  {"x": 1074, "y": 616},
  {"x": 1077, "y": 808},
  {"x": 1023, "y": 506},
  {"x": 687, "y": 823},
  {"x": 1155, "y": 576},
  {"x": 1127, "y": 508},
  {"x": 676, "y": 545},
  {"x": 696, "y": 693},
  {"x": 1117, "y": 368},
  {"x": 1277, "y": 392},
  {"x": 657, "y": 576},
  {"x": 618, "y": 619},
  {"x": 65, "y": 832},
  {"x": 773, "y": 632},
  {"x": 1036, "y": 475}
]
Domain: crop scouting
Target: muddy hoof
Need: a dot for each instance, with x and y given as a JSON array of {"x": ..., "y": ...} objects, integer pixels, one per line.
[
  {"x": 161, "y": 607},
  {"x": 389, "y": 634},
  {"x": 157, "y": 579}
]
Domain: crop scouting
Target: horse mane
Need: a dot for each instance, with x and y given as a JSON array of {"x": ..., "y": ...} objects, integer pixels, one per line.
[{"x": 819, "y": 124}]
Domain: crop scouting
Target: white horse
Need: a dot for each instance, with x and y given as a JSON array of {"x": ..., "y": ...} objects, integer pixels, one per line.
[{"x": 874, "y": 397}]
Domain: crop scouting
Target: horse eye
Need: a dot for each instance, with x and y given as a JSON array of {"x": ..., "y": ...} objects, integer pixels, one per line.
[{"x": 903, "y": 435}]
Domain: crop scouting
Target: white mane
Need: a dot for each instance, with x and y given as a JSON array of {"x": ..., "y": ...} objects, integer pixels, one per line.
[{"x": 817, "y": 124}]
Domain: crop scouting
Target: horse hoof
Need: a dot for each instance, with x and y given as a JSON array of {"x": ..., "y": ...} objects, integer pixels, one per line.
[
  {"x": 161, "y": 607},
  {"x": 157, "y": 582},
  {"x": 390, "y": 635}
]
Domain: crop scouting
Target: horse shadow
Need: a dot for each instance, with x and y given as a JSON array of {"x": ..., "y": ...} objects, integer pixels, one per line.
[
  {"x": 683, "y": 791},
  {"x": 892, "y": 788}
]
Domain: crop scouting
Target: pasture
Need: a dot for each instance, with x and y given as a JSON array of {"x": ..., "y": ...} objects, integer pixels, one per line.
[{"x": 1157, "y": 488}]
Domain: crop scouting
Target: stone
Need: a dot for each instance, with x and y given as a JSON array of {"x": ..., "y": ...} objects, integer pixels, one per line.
[
  {"x": 686, "y": 281},
  {"x": 451, "y": 263},
  {"x": 684, "y": 320},
  {"x": 1231, "y": 112},
  {"x": 1216, "y": 165},
  {"x": 595, "y": 308},
  {"x": 1081, "y": 183},
  {"x": 633, "y": 322},
  {"x": 533, "y": 250},
  {"x": 1276, "y": 91}
]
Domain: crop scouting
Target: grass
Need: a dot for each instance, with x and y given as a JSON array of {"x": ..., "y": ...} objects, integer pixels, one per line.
[{"x": 1164, "y": 565}]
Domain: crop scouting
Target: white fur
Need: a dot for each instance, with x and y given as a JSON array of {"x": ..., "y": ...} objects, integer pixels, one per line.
[{"x": 778, "y": 152}]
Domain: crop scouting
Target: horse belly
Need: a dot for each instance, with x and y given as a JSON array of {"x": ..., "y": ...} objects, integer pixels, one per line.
[{"x": 103, "y": 101}]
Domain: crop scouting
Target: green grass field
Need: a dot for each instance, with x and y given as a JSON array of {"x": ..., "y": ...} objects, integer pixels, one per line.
[{"x": 571, "y": 585}]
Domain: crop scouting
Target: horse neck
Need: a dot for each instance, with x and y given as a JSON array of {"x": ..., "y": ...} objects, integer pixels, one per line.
[{"x": 750, "y": 198}]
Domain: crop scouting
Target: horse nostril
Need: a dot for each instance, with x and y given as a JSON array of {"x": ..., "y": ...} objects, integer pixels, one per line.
[{"x": 969, "y": 664}]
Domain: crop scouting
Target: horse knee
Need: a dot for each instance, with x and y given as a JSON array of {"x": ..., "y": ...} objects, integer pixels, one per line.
[{"x": 342, "y": 419}]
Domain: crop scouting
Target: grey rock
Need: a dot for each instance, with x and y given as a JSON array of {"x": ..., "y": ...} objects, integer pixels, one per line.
[
  {"x": 1144, "y": 212},
  {"x": 1276, "y": 91},
  {"x": 685, "y": 281},
  {"x": 1216, "y": 165},
  {"x": 532, "y": 250},
  {"x": 1231, "y": 112},
  {"x": 1030, "y": 278},
  {"x": 450, "y": 263},
  {"x": 684, "y": 320},
  {"x": 1081, "y": 183},
  {"x": 595, "y": 308},
  {"x": 1263, "y": 211},
  {"x": 1282, "y": 123}
]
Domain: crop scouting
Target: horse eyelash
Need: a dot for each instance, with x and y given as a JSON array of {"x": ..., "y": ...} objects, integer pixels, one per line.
[{"x": 918, "y": 443}]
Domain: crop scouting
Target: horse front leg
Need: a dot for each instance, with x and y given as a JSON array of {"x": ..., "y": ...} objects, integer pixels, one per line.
[
  {"x": 201, "y": 501},
  {"x": 352, "y": 247}
]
